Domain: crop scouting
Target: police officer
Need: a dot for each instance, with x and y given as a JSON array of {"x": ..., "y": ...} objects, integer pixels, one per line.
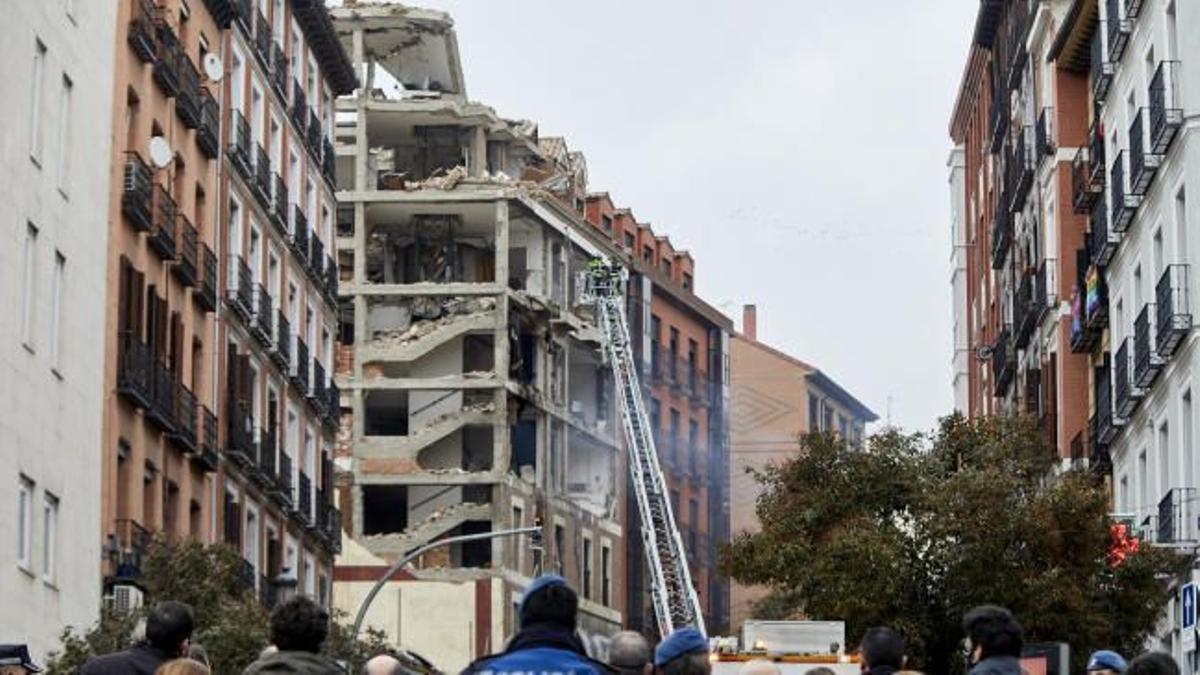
[{"x": 684, "y": 652}]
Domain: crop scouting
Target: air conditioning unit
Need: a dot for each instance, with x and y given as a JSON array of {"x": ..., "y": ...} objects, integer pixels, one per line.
[{"x": 126, "y": 598}]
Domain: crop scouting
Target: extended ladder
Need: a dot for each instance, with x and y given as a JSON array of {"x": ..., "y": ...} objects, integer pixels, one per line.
[{"x": 675, "y": 602}]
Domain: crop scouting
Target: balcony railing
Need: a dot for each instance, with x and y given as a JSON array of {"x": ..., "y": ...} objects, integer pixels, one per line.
[
  {"x": 240, "y": 144},
  {"x": 1124, "y": 203},
  {"x": 317, "y": 396},
  {"x": 1027, "y": 309},
  {"x": 304, "y": 499},
  {"x": 334, "y": 530},
  {"x": 1001, "y": 235},
  {"x": 1143, "y": 166},
  {"x": 1177, "y": 517},
  {"x": 279, "y": 70},
  {"x": 1173, "y": 309},
  {"x": 141, "y": 30},
  {"x": 314, "y": 135},
  {"x": 185, "y": 418},
  {"x": 262, "y": 176},
  {"x": 162, "y": 231},
  {"x": 1147, "y": 362},
  {"x": 207, "y": 295},
  {"x": 243, "y": 12},
  {"x": 299, "y": 370},
  {"x": 133, "y": 369},
  {"x": 282, "y": 346},
  {"x": 210, "y": 122},
  {"x": 1046, "y": 143},
  {"x": 1021, "y": 165},
  {"x": 299, "y": 107},
  {"x": 1119, "y": 30},
  {"x": 265, "y": 471},
  {"x": 1126, "y": 394},
  {"x": 329, "y": 163},
  {"x": 1084, "y": 194},
  {"x": 331, "y": 280},
  {"x": 168, "y": 54},
  {"x": 316, "y": 260},
  {"x": 207, "y": 452},
  {"x": 262, "y": 39},
  {"x": 281, "y": 491},
  {"x": 1166, "y": 111},
  {"x": 239, "y": 292},
  {"x": 186, "y": 268},
  {"x": 300, "y": 233},
  {"x": 239, "y": 434},
  {"x": 1102, "y": 242},
  {"x": 333, "y": 406},
  {"x": 1003, "y": 363},
  {"x": 187, "y": 105},
  {"x": 279, "y": 204},
  {"x": 1101, "y": 69},
  {"x": 137, "y": 192},
  {"x": 162, "y": 410},
  {"x": 1133, "y": 8},
  {"x": 1046, "y": 287},
  {"x": 261, "y": 326},
  {"x": 130, "y": 543},
  {"x": 1103, "y": 428}
]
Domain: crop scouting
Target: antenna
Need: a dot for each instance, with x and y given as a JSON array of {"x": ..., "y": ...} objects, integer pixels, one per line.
[
  {"x": 160, "y": 152},
  {"x": 213, "y": 68}
]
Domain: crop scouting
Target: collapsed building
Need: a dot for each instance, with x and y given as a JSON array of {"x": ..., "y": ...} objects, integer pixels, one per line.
[{"x": 474, "y": 394}]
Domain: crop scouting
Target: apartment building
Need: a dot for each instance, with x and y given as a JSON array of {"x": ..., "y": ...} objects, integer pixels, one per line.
[
  {"x": 1019, "y": 126},
  {"x": 775, "y": 399},
  {"x": 1144, "y": 86},
  {"x": 682, "y": 344},
  {"x": 218, "y": 419},
  {"x": 56, "y": 166},
  {"x": 475, "y": 396}
]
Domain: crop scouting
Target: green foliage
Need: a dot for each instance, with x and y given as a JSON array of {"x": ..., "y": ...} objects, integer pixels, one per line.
[
  {"x": 915, "y": 530},
  {"x": 230, "y": 622},
  {"x": 354, "y": 653}
]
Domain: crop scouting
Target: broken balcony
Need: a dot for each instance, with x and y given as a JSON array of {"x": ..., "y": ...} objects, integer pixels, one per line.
[
  {"x": 405, "y": 246},
  {"x": 592, "y": 478},
  {"x": 441, "y": 429},
  {"x": 397, "y": 518},
  {"x": 591, "y": 392},
  {"x": 408, "y": 328}
]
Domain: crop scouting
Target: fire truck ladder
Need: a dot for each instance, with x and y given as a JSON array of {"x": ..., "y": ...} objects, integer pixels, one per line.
[{"x": 675, "y": 602}]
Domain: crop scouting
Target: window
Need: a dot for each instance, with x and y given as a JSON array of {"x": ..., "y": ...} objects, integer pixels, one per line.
[
  {"x": 50, "y": 538},
  {"x": 56, "y": 283},
  {"x": 629, "y": 240},
  {"x": 35, "y": 102},
  {"x": 687, "y": 281},
  {"x": 237, "y": 81},
  {"x": 647, "y": 253},
  {"x": 605, "y": 575},
  {"x": 30, "y": 285},
  {"x": 606, "y": 223},
  {"x": 250, "y": 537},
  {"x": 814, "y": 414},
  {"x": 25, "y": 523},
  {"x": 666, "y": 267},
  {"x": 64, "y": 132},
  {"x": 587, "y": 568}
]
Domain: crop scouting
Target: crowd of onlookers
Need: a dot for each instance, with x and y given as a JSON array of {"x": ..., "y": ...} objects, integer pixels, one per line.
[{"x": 547, "y": 643}]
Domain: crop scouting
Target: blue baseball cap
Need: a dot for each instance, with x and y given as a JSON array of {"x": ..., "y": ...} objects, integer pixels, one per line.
[
  {"x": 1106, "y": 660},
  {"x": 682, "y": 642},
  {"x": 544, "y": 581}
]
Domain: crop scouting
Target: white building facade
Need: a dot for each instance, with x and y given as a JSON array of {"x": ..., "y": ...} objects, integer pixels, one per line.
[
  {"x": 1152, "y": 149},
  {"x": 55, "y": 154},
  {"x": 958, "y": 279}
]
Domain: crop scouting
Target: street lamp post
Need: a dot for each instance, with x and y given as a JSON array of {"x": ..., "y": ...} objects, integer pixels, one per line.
[{"x": 366, "y": 604}]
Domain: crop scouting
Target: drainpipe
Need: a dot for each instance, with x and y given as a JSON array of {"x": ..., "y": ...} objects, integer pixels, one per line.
[{"x": 214, "y": 394}]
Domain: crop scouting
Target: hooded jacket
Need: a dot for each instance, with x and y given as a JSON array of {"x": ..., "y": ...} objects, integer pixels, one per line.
[
  {"x": 540, "y": 649},
  {"x": 305, "y": 663},
  {"x": 997, "y": 665},
  {"x": 141, "y": 659}
]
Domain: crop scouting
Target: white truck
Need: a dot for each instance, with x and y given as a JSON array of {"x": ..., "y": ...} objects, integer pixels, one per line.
[{"x": 794, "y": 646}]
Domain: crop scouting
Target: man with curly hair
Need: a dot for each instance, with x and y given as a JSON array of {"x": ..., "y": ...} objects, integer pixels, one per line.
[{"x": 298, "y": 628}]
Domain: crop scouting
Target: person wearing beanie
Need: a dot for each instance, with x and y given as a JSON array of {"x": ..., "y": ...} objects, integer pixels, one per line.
[
  {"x": 1106, "y": 662},
  {"x": 545, "y": 643},
  {"x": 684, "y": 652}
]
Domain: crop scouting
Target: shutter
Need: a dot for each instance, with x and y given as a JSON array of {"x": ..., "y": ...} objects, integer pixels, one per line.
[{"x": 176, "y": 356}]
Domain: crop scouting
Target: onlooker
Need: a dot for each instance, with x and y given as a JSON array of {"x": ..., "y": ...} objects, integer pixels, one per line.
[
  {"x": 384, "y": 664},
  {"x": 546, "y": 642},
  {"x": 168, "y": 629},
  {"x": 629, "y": 654},
  {"x": 1106, "y": 662},
  {"x": 760, "y": 667},
  {"x": 1153, "y": 663},
  {"x": 994, "y": 641},
  {"x": 186, "y": 666},
  {"x": 15, "y": 660},
  {"x": 684, "y": 652},
  {"x": 298, "y": 628},
  {"x": 820, "y": 670},
  {"x": 881, "y": 651}
]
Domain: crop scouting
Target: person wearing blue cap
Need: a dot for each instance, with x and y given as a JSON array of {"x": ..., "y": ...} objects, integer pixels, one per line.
[
  {"x": 15, "y": 660},
  {"x": 546, "y": 643},
  {"x": 684, "y": 652},
  {"x": 1106, "y": 662}
]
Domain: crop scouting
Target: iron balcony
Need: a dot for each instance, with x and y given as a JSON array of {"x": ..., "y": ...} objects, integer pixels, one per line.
[
  {"x": 162, "y": 409},
  {"x": 130, "y": 544},
  {"x": 316, "y": 261},
  {"x": 186, "y": 267},
  {"x": 239, "y": 293},
  {"x": 1174, "y": 314},
  {"x": 282, "y": 345},
  {"x": 1176, "y": 517},
  {"x": 314, "y": 135},
  {"x": 1166, "y": 113},
  {"x": 333, "y": 406},
  {"x": 303, "y": 510},
  {"x": 998, "y": 115},
  {"x": 243, "y": 13},
  {"x": 1143, "y": 166},
  {"x": 1001, "y": 235},
  {"x": 239, "y": 146},
  {"x": 279, "y": 70},
  {"x": 261, "y": 327},
  {"x": 1147, "y": 364},
  {"x": 1022, "y": 163},
  {"x": 1003, "y": 362},
  {"x": 207, "y": 295},
  {"x": 1046, "y": 286},
  {"x": 162, "y": 230},
  {"x": 133, "y": 369},
  {"x": 206, "y": 455},
  {"x": 1046, "y": 144},
  {"x": 210, "y": 122},
  {"x": 317, "y": 396},
  {"x": 262, "y": 40},
  {"x": 329, "y": 163},
  {"x": 1084, "y": 195},
  {"x": 1027, "y": 309},
  {"x": 300, "y": 234},
  {"x": 141, "y": 30},
  {"x": 1124, "y": 204},
  {"x": 331, "y": 281},
  {"x": 262, "y": 176},
  {"x": 281, "y": 491},
  {"x": 1102, "y": 242},
  {"x": 299, "y": 369},
  {"x": 1133, "y": 8},
  {"x": 187, "y": 105},
  {"x": 167, "y": 55},
  {"x": 1096, "y": 156},
  {"x": 265, "y": 473},
  {"x": 239, "y": 434},
  {"x": 1104, "y": 430},
  {"x": 1119, "y": 30},
  {"x": 185, "y": 418},
  {"x": 299, "y": 107},
  {"x": 279, "y": 204},
  {"x": 137, "y": 192},
  {"x": 1101, "y": 68},
  {"x": 1126, "y": 394}
]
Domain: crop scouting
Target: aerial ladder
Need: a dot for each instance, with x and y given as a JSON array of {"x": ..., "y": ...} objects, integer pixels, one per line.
[{"x": 676, "y": 604}]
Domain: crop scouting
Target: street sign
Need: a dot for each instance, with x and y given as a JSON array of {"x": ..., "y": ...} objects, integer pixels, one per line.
[{"x": 1187, "y": 616}]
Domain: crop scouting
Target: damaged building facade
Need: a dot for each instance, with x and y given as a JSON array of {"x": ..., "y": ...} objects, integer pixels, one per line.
[{"x": 474, "y": 395}]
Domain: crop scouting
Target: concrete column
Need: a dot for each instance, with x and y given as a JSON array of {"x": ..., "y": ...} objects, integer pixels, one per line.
[
  {"x": 501, "y": 450},
  {"x": 478, "y": 157}
]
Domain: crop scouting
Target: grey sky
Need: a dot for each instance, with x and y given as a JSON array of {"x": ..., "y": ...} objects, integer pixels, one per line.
[{"x": 796, "y": 148}]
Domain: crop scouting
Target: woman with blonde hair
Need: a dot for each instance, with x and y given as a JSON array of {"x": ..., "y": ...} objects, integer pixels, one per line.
[{"x": 183, "y": 667}]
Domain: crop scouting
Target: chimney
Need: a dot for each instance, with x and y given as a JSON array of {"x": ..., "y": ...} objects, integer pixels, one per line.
[{"x": 750, "y": 322}]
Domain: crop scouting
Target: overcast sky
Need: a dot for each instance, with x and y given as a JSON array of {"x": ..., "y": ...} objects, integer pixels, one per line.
[{"x": 796, "y": 148}]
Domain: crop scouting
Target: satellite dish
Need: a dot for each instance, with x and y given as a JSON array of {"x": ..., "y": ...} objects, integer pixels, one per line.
[
  {"x": 160, "y": 152},
  {"x": 983, "y": 352},
  {"x": 213, "y": 68}
]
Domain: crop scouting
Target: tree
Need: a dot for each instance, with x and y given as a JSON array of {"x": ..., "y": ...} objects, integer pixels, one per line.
[
  {"x": 230, "y": 622},
  {"x": 916, "y": 529}
]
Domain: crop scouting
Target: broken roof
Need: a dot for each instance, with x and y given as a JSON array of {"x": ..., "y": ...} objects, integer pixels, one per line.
[{"x": 417, "y": 47}]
